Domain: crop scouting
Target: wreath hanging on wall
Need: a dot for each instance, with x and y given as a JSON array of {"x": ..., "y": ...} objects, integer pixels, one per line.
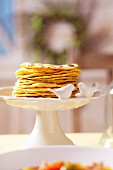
[{"x": 39, "y": 24}]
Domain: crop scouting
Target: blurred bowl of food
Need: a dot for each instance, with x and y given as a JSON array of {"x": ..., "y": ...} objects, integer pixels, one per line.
[{"x": 77, "y": 155}]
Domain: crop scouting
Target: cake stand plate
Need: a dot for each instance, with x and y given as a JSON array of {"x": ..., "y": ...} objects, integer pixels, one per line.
[{"x": 47, "y": 129}]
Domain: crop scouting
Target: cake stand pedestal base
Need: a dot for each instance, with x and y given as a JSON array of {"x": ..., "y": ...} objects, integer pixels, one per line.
[{"x": 46, "y": 131}]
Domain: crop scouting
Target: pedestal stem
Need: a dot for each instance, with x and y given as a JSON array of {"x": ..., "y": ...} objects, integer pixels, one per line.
[{"x": 47, "y": 131}]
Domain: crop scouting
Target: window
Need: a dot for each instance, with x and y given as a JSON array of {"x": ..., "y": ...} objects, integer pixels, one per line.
[{"x": 6, "y": 26}]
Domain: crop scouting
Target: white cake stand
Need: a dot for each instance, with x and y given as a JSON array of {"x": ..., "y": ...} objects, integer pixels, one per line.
[{"x": 47, "y": 129}]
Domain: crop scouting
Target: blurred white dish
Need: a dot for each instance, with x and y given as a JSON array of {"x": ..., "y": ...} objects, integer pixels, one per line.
[{"x": 31, "y": 157}]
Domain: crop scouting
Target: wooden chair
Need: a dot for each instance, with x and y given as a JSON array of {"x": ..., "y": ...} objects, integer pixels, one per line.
[{"x": 97, "y": 62}]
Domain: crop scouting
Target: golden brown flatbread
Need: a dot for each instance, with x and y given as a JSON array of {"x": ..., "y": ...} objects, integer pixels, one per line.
[
  {"x": 50, "y": 67},
  {"x": 25, "y": 71}
]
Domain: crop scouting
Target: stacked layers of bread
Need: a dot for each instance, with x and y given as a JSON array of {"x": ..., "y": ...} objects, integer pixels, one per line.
[{"x": 35, "y": 79}]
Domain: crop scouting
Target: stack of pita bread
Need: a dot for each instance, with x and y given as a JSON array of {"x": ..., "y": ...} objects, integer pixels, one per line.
[{"x": 35, "y": 79}]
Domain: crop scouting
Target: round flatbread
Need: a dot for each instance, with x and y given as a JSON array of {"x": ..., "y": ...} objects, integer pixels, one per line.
[{"x": 34, "y": 79}]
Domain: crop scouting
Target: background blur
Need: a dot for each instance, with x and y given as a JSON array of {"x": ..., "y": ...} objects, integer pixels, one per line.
[{"x": 57, "y": 32}]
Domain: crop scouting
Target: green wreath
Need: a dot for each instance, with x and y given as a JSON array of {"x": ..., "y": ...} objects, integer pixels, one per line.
[{"x": 54, "y": 13}]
